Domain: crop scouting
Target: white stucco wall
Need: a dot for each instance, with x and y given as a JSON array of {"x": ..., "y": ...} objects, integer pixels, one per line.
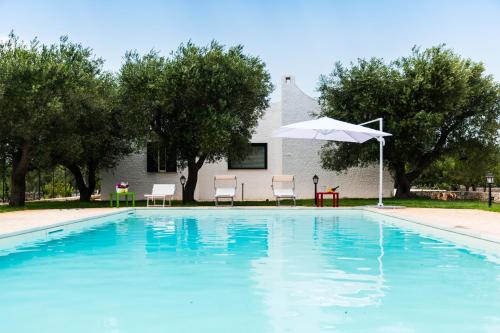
[
  {"x": 285, "y": 156},
  {"x": 257, "y": 182},
  {"x": 132, "y": 169}
]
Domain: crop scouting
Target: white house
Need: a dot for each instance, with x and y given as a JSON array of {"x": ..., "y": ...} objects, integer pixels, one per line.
[{"x": 271, "y": 156}]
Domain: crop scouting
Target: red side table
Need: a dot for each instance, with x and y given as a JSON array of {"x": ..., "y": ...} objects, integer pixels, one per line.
[{"x": 320, "y": 198}]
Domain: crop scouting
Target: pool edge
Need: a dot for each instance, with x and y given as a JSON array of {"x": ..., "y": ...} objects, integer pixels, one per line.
[
  {"x": 462, "y": 239},
  {"x": 63, "y": 223}
]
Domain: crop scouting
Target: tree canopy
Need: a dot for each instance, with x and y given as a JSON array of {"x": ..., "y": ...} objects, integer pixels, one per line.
[
  {"x": 95, "y": 135},
  {"x": 433, "y": 102},
  {"x": 202, "y": 102},
  {"x": 466, "y": 167},
  {"x": 57, "y": 107},
  {"x": 30, "y": 87}
]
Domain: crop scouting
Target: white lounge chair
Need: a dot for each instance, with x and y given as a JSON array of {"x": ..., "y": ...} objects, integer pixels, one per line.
[
  {"x": 224, "y": 188},
  {"x": 162, "y": 192},
  {"x": 281, "y": 190}
]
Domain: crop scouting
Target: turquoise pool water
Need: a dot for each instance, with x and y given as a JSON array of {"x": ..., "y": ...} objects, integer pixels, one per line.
[{"x": 247, "y": 271}]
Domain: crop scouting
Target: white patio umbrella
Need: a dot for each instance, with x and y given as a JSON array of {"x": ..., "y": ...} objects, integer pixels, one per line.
[{"x": 335, "y": 130}]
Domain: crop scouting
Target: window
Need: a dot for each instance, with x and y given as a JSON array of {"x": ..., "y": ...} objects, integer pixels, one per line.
[
  {"x": 256, "y": 159},
  {"x": 159, "y": 159}
]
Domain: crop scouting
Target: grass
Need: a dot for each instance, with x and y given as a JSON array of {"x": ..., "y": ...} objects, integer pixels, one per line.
[{"x": 346, "y": 202}]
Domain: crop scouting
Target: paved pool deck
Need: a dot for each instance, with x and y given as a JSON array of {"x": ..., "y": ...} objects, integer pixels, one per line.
[
  {"x": 476, "y": 223},
  {"x": 24, "y": 220},
  {"x": 471, "y": 222}
]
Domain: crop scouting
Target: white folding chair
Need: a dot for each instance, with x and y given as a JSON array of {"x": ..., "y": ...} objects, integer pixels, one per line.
[
  {"x": 223, "y": 185},
  {"x": 281, "y": 190},
  {"x": 162, "y": 192}
]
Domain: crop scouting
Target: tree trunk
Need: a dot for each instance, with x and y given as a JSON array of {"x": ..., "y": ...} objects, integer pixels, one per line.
[
  {"x": 190, "y": 185},
  {"x": 85, "y": 188},
  {"x": 91, "y": 180},
  {"x": 402, "y": 185},
  {"x": 20, "y": 164},
  {"x": 193, "y": 168}
]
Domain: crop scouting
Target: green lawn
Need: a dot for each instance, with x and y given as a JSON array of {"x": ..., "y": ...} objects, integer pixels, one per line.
[{"x": 415, "y": 202}]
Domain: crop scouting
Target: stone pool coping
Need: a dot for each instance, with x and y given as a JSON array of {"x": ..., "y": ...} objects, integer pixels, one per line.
[
  {"x": 26, "y": 221},
  {"x": 468, "y": 227},
  {"x": 440, "y": 223},
  {"x": 469, "y": 222}
]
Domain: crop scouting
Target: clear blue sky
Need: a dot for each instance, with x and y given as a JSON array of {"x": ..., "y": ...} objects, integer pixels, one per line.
[{"x": 300, "y": 37}]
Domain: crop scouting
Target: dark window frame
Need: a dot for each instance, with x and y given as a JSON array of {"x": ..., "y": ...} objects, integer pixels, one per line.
[
  {"x": 264, "y": 144},
  {"x": 155, "y": 165}
]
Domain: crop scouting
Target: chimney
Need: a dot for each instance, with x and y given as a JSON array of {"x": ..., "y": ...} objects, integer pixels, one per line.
[{"x": 287, "y": 80}]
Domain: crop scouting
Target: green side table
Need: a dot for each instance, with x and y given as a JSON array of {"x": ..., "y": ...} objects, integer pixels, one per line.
[{"x": 117, "y": 196}]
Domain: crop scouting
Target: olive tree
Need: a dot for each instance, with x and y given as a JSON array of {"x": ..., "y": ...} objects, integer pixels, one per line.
[
  {"x": 431, "y": 101},
  {"x": 202, "y": 102},
  {"x": 29, "y": 103},
  {"x": 58, "y": 107},
  {"x": 92, "y": 132},
  {"x": 467, "y": 167}
]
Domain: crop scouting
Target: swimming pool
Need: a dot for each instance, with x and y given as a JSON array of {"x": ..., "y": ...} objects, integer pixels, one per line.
[{"x": 219, "y": 270}]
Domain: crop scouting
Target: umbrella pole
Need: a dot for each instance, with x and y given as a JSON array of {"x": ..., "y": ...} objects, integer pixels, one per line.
[
  {"x": 381, "y": 165},
  {"x": 381, "y": 159}
]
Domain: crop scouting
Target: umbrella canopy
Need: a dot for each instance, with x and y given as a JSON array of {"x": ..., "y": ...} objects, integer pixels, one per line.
[
  {"x": 328, "y": 129},
  {"x": 335, "y": 130}
]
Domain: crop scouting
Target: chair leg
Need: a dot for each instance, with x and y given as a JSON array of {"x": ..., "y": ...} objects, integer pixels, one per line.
[
  {"x": 294, "y": 202},
  {"x": 163, "y": 202},
  {"x": 147, "y": 201},
  {"x": 232, "y": 201}
]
